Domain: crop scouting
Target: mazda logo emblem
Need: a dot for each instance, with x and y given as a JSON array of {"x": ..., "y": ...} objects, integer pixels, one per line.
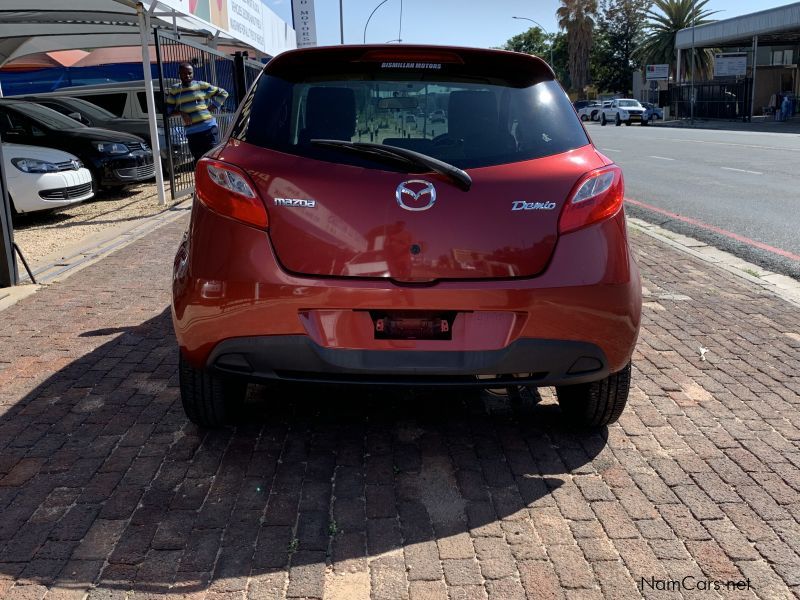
[{"x": 427, "y": 189}]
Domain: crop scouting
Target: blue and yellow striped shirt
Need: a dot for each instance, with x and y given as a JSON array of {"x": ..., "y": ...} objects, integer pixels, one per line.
[{"x": 194, "y": 100}]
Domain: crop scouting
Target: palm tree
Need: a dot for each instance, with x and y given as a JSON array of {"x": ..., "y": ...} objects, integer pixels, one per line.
[
  {"x": 576, "y": 17},
  {"x": 659, "y": 43}
]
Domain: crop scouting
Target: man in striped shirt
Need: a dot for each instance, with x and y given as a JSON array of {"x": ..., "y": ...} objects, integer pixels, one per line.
[{"x": 195, "y": 101}]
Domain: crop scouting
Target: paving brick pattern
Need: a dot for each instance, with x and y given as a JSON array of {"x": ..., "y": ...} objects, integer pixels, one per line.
[{"x": 106, "y": 492}]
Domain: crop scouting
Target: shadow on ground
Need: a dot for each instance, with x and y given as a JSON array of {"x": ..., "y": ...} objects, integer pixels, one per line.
[{"x": 103, "y": 482}]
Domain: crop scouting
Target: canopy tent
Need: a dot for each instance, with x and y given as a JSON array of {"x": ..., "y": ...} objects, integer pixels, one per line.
[
  {"x": 45, "y": 60},
  {"x": 33, "y": 26}
]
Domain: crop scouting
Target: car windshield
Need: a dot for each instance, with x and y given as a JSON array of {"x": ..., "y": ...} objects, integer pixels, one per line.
[
  {"x": 633, "y": 103},
  {"x": 466, "y": 120},
  {"x": 46, "y": 116}
]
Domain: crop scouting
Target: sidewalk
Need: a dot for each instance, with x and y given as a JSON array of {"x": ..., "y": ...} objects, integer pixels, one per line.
[
  {"x": 759, "y": 124},
  {"x": 107, "y": 492}
]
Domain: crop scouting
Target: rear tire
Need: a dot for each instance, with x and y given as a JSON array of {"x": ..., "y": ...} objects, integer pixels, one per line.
[
  {"x": 627, "y": 123},
  {"x": 603, "y": 119},
  {"x": 596, "y": 404},
  {"x": 617, "y": 120},
  {"x": 209, "y": 400},
  {"x": 584, "y": 118}
]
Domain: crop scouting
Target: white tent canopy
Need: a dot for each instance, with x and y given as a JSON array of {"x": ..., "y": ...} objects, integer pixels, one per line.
[{"x": 29, "y": 26}]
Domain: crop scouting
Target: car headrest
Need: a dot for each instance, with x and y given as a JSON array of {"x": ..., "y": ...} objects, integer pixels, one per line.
[
  {"x": 472, "y": 111},
  {"x": 330, "y": 113}
]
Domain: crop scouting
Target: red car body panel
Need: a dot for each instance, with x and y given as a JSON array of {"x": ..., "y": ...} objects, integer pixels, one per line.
[
  {"x": 229, "y": 284},
  {"x": 357, "y": 227}
]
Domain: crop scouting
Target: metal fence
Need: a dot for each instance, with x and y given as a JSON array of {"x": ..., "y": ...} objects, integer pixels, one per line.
[
  {"x": 234, "y": 74},
  {"x": 713, "y": 100}
]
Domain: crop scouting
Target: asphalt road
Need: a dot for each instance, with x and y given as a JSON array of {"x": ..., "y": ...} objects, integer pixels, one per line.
[{"x": 736, "y": 190}]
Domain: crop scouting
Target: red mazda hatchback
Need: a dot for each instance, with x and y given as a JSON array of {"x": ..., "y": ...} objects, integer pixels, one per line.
[{"x": 407, "y": 215}]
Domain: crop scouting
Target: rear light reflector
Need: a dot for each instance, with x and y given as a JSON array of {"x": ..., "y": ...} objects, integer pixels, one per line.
[
  {"x": 596, "y": 197},
  {"x": 227, "y": 190}
]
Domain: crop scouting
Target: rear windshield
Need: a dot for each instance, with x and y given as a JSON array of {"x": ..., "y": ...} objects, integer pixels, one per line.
[{"x": 467, "y": 119}]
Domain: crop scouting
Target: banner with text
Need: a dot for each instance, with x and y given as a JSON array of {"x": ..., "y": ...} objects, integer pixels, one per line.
[
  {"x": 249, "y": 21},
  {"x": 305, "y": 23}
]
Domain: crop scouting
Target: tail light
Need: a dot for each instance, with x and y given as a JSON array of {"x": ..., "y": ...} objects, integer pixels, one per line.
[
  {"x": 597, "y": 196},
  {"x": 227, "y": 190}
]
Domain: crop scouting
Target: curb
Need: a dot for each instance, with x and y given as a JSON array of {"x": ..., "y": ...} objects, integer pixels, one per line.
[
  {"x": 93, "y": 249},
  {"x": 782, "y": 286}
]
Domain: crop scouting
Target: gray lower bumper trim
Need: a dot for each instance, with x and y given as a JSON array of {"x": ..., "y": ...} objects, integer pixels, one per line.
[{"x": 298, "y": 358}]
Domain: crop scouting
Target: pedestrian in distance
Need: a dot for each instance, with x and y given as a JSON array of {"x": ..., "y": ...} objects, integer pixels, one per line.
[
  {"x": 195, "y": 101},
  {"x": 785, "y": 107}
]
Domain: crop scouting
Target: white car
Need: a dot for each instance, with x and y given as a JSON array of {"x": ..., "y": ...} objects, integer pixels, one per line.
[
  {"x": 590, "y": 112},
  {"x": 44, "y": 178},
  {"x": 624, "y": 110}
]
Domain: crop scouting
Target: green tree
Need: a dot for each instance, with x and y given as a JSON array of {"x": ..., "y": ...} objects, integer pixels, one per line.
[
  {"x": 576, "y": 17},
  {"x": 665, "y": 19},
  {"x": 534, "y": 41},
  {"x": 620, "y": 31}
]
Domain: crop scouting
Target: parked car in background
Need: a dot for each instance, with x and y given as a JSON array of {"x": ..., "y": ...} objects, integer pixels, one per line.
[
  {"x": 93, "y": 115},
  {"x": 652, "y": 112},
  {"x": 44, "y": 179},
  {"x": 113, "y": 157},
  {"x": 128, "y": 99},
  {"x": 493, "y": 255},
  {"x": 590, "y": 111},
  {"x": 623, "y": 110}
]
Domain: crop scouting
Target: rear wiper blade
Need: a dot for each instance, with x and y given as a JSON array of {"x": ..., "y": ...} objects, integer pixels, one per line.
[{"x": 459, "y": 177}]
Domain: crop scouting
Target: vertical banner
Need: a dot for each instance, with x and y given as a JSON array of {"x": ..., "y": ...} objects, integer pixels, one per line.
[{"x": 305, "y": 23}]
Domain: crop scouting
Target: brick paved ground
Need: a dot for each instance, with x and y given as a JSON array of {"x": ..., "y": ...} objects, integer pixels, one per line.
[{"x": 107, "y": 492}]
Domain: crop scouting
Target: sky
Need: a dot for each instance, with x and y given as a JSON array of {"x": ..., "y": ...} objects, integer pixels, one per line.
[{"x": 453, "y": 22}]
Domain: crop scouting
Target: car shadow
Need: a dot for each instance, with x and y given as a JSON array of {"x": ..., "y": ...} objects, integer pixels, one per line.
[{"x": 105, "y": 485}]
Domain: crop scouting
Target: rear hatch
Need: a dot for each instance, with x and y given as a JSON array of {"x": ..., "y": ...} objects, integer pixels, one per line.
[{"x": 344, "y": 209}]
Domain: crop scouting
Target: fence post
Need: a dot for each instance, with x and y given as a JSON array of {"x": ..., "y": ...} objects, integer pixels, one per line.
[
  {"x": 239, "y": 79},
  {"x": 8, "y": 265}
]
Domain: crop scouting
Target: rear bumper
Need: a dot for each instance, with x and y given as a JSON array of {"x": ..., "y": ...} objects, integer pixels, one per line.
[
  {"x": 231, "y": 298},
  {"x": 298, "y": 358}
]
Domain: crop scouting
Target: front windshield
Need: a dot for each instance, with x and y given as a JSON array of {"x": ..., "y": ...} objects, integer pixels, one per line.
[
  {"x": 632, "y": 103},
  {"x": 46, "y": 116},
  {"x": 465, "y": 121}
]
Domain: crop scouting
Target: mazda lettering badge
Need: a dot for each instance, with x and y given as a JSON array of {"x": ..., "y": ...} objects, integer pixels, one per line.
[{"x": 417, "y": 189}]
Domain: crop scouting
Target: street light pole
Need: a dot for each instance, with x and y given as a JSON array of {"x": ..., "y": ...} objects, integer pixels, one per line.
[
  {"x": 341, "y": 21},
  {"x": 691, "y": 91},
  {"x": 546, "y": 33},
  {"x": 370, "y": 17}
]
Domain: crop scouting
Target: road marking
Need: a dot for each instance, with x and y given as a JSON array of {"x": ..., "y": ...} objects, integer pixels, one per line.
[
  {"x": 728, "y": 144},
  {"x": 610, "y": 150},
  {"x": 742, "y": 170},
  {"x": 660, "y": 157},
  {"x": 715, "y": 229}
]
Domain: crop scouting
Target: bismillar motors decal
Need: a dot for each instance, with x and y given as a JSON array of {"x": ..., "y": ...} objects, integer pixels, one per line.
[
  {"x": 522, "y": 205},
  {"x": 295, "y": 202},
  {"x": 411, "y": 65}
]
